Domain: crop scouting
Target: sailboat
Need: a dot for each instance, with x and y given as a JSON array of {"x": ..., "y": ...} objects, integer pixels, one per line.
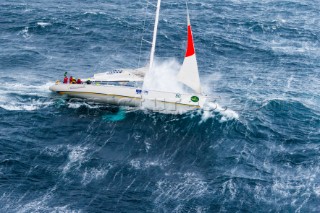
[{"x": 118, "y": 87}]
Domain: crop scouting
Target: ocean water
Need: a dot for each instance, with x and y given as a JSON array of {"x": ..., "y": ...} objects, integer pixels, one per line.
[{"x": 255, "y": 150}]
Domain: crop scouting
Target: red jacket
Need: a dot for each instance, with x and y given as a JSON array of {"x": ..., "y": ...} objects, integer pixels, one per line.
[{"x": 65, "y": 80}]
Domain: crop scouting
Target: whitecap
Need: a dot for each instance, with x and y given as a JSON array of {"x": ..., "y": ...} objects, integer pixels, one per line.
[
  {"x": 317, "y": 191},
  {"x": 76, "y": 157},
  {"x": 18, "y": 87},
  {"x": 25, "y": 33},
  {"x": 40, "y": 100},
  {"x": 43, "y": 24},
  {"x": 93, "y": 174},
  {"x": 22, "y": 106},
  {"x": 90, "y": 13},
  {"x": 75, "y": 105},
  {"x": 211, "y": 107},
  {"x": 135, "y": 164},
  {"x": 230, "y": 187},
  {"x": 94, "y": 12}
]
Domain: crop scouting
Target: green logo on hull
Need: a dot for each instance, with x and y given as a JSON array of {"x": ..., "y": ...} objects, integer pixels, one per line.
[{"x": 194, "y": 99}]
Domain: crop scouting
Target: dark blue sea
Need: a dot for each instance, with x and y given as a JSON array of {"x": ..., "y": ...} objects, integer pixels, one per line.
[{"x": 256, "y": 151}]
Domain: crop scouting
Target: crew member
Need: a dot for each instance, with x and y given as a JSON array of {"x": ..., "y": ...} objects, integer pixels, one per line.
[
  {"x": 70, "y": 79},
  {"x": 65, "y": 80},
  {"x": 79, "y": 81}
]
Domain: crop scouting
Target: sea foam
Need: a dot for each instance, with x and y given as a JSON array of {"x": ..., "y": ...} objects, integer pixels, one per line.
[{"x": 12, "y": 96}]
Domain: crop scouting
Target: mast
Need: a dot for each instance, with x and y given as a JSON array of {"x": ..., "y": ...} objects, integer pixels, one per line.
[{"x": 153, "y": 48}]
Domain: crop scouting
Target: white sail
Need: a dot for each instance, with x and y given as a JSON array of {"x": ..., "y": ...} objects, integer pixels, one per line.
[{"x": 189, "y": 74}]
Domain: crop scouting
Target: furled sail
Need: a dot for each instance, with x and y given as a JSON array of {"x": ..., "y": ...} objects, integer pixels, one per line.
[{"x": 189, "y": 74}]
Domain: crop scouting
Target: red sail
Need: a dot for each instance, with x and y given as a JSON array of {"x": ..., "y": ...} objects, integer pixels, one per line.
[{"x": 190, "y": 45}]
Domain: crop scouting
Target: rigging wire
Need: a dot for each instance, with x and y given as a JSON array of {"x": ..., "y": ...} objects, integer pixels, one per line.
[{"x": 143, "y": 31}]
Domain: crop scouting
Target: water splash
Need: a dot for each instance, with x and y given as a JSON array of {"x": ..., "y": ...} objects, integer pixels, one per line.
[
  {"x": 163, "y": 77},
  {"x": 212, "y": 108},
  {"x": 21, "y": 97}
]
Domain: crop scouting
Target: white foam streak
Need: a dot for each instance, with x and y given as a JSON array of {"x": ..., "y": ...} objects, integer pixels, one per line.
[
  {"x": 42, "y": 203},
  {"x": 294, "y": 48},
  {"x": 76, "y": 105},
  {"x": 26, "y": 88},
  {"x": 34, "y": 105},
  {"x": 10, "y": 103},
  {"x": 139, "y": 164},
  {"x": 188, "y": 186}
]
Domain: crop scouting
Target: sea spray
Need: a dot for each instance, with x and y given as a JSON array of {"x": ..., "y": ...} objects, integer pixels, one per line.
[
  {"x": 23, "y": 97},
  {"x": 211, "y": 108},
  {"x": 163, "y": 77}
]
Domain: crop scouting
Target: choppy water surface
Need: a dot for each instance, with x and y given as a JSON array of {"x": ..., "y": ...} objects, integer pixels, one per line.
[{"x": 260, "y": 59}]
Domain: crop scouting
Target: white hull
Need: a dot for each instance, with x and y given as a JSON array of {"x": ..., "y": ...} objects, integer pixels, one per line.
[{"x": 131, "y": 96}]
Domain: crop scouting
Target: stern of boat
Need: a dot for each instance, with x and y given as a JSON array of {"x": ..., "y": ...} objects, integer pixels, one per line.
[{"x": 58, "y": 87}]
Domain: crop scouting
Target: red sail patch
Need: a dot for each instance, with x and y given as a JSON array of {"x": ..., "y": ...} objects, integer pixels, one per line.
[{"x": 190, "y": 46}]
